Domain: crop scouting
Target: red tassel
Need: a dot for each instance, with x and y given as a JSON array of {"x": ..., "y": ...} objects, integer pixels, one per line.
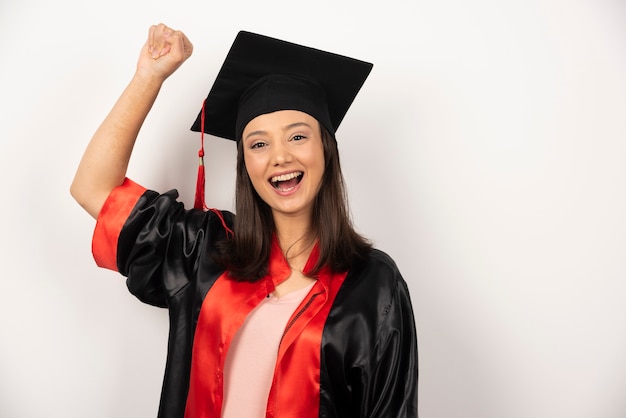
[{"x": 199, "y": 202}]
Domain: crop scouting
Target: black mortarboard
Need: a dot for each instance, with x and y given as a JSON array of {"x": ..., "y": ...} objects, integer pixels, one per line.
[{"x": 262, "y": 75}]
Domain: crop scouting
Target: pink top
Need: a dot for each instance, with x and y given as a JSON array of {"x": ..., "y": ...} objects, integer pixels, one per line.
[{"x": 251, "y": 358}]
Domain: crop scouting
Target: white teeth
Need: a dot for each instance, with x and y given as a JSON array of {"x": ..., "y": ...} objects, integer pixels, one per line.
[{"x": 285, "y": 177}]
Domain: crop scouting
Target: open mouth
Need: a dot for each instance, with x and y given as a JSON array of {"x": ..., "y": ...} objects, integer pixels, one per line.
[{"x": 286, "y": 182}]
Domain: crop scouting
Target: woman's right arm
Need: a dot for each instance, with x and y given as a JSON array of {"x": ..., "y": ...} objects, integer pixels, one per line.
[{"x": 105, "y": 160}]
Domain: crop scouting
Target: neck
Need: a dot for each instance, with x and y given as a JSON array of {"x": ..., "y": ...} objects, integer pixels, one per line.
[{"x": 296, "y": 238}]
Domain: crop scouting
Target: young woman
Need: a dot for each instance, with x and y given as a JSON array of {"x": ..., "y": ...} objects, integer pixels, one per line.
[{"x": 282, "y": 310}]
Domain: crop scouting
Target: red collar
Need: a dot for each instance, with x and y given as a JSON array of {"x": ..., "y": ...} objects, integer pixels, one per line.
[{"x": 279, "y": 269}]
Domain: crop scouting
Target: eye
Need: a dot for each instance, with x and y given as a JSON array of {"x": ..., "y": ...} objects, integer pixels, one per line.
[
  {"x": 258, "y": 145},
  {"x": 298, "y": 137}
]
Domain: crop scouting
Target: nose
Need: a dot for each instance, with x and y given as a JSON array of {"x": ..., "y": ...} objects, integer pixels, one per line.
[{"x": 280, "y": 154}]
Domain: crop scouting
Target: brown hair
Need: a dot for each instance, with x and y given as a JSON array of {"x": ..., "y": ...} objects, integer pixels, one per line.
[{"x": 246, "y": 253}]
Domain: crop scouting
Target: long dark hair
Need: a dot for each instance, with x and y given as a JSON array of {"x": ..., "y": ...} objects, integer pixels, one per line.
[{"x": 246, "y": 254}]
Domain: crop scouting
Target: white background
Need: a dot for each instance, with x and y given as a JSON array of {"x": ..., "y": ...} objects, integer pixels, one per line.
[{"x": 486, "y": 154}]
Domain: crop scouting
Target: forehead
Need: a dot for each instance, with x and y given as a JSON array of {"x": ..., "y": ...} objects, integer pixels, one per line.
[{"x": 280, "y": 120}]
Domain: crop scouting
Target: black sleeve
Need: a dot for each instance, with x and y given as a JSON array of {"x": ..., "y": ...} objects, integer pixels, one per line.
[
  {"x": 393, "y": 384},
  {"x": 161, "y": 245}
]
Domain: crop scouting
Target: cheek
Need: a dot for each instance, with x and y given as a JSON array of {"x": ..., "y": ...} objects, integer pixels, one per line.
[
  {"x": 318, "y": 161},
  {"x": 255, "y": 171},
  {"x": 249, "y": 165}
]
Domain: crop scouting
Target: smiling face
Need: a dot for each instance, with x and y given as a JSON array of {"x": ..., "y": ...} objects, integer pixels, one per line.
[{"x": 284, "y": 158}]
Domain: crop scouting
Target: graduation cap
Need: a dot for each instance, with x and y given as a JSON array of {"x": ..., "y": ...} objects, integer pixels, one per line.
[{"x": 262, "y": 75}]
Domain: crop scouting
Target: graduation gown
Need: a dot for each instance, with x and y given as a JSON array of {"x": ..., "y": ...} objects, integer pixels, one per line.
[{"x": 349, "y": 350}]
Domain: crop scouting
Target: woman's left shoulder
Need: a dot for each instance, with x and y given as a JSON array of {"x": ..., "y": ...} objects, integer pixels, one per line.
[
  {"x": 373, "y": 286},
  {"x": 382, "y": 259},
  {"x": 377, "y": 270}
]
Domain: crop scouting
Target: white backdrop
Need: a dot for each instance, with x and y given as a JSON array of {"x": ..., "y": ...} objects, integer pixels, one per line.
[{"x": 486, "y": 154}]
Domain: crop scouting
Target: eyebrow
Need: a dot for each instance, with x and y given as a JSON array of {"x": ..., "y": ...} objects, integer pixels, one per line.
[
  {"x": 297, "y": 124},
  {"x": 286, "y": 128},
  {"x": 254, "y": 133}
]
